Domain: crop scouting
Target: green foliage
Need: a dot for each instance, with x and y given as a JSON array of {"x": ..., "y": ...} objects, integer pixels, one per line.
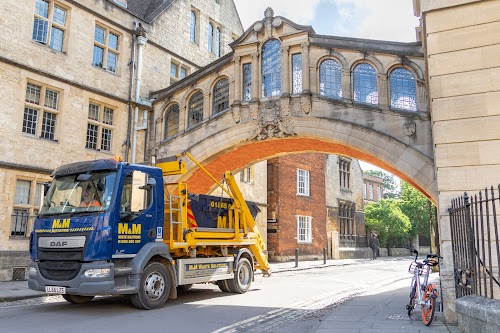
[
  {"x": 390, "y": 186},
  {"x": 418, "y": 209},
  {"x": 387, "y": 220}
]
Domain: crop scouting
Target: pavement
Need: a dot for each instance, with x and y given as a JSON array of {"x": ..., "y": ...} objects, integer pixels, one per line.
[{"x": 381, "y": 310}]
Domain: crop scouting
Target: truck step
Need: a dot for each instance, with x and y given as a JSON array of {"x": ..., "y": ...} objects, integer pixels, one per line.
[
  {"x": 119, "y": 271},
  {"x": 125, "y": 290}
]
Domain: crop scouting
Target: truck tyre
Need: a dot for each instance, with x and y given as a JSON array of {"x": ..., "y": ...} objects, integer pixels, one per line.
[
  {"x": 223, "y": 285},
  {"x": 154, "y": 287},
  {"x": 242, "y": 277},
  {"x": 77, "y": 299}
]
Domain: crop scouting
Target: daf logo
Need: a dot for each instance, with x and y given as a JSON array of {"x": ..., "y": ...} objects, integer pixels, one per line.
[{"x": 58, "y": 244}]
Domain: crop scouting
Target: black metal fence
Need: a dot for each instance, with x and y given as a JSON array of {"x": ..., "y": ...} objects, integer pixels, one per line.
[
  {"x": 353, "y": 241},
  {"x": 475, "y": 243},
  {"x": 21, "y": 221}
]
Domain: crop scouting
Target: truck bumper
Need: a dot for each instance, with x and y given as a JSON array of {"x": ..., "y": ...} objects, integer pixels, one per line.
[{"x": 80, "y": 285}]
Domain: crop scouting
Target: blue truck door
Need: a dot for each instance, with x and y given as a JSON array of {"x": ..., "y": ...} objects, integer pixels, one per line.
[{"x": 137, "y": 219}]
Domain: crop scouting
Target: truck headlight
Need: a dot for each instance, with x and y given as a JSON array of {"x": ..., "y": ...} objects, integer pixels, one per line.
[
  {"x": 97, "y": 273},
  {"x": 32, "y": 271}
]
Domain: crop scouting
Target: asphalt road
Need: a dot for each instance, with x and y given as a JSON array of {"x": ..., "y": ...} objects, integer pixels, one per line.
[{"x": 285, "y": 302}]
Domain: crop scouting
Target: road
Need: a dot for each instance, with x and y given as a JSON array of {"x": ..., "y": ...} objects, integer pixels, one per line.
[{"x": 289, "y": 302}]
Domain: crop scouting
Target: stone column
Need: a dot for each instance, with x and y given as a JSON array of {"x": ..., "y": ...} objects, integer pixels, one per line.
[
  {"x": 383, "y": 94},
  {"x": 255, "y": 77},
  {"x": 285, "y": 71},
  {"x": 306, "y": 85},
  {"x": 237, "y": 80},
  {"x": 346, "y": 84},
  {"x": 421, "y": 96}
]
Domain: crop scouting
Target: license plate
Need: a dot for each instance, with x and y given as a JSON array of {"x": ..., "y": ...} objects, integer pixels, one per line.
[{"x": 55, "y": 290}]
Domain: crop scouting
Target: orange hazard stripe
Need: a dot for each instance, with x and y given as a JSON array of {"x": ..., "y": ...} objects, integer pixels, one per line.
[{"x": 191, "y": 221}]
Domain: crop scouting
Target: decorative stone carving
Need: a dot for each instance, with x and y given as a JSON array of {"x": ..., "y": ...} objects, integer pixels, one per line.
[
  {"x": 258, "y": 26},
  {"x": 277, "y": 22},
  {"x": 305, "y": 103},
  {"x": 254, "y": 111},
  {"x": 285, "y": 107},
  {"x": 236, "y": 113},
  {"x": 271, "y": 124},
  {"x": 269, "y": 12},
  {"x": 409, "y": 128}
]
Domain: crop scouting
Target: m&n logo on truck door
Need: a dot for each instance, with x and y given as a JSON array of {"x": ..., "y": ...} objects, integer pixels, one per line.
[{"x": 129, "y": 234}]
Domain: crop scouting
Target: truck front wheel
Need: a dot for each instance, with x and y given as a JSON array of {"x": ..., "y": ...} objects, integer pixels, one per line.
[
  {"x": 77, "y": 299},
  {"x": 154, "y": 287},
  {"x": 242, "y": 277}
]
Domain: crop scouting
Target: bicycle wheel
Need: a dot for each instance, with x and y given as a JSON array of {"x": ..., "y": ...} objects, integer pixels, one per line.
[
  {"x": 411, "y": 304},
  {"x": 429, "y": 307}
]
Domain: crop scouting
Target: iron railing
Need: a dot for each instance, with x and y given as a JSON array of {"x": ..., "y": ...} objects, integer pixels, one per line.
[
  {"x": 353, "y": 241},
  {"x": 475, "y": 244},
  {"x": 21, "y": 222}
]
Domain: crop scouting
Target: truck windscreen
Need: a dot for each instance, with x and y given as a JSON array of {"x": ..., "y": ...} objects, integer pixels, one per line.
[{"x": 90, "y": 192}]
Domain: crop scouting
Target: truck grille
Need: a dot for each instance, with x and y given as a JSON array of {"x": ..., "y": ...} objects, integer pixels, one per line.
[{"x": 60, "y": 264}]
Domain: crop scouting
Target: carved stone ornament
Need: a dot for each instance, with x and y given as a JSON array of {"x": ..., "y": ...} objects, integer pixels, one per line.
[
  {"x": 236, "y": 114},
  {"x": 305, "y": 103},
  {"x": 409, "y": 128},
  {"x": 269, "y": 12},
  {"x": 277, "y": 22},
  {"x": 258, "y": 26},
  {"x": 271, "y": 124}
]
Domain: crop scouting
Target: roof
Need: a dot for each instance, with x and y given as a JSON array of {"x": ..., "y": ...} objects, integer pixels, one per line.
[{"x": 147, "y": 10}]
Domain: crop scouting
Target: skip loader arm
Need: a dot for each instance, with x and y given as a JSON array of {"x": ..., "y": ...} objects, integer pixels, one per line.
[{"x": 247, "y": 221}]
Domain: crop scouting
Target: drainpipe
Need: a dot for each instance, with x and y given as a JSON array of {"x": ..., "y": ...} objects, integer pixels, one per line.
[
  {"x": 131, "y": 88},
  {"x": 141, "y": 41}
]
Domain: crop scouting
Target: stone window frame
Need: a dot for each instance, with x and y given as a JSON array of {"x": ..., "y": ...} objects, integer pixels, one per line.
[
  {"x": 39, "y": 105},
  {"x": 304, "y": 229},
  {"x": 365, "y": 78},
  {"x": 337, "y": 77},
  {"x": 215, "y": 43},
  {"x": 171, "y": 121},
  {"x": 303, "y": 182},
  {"x": 345, "y": 173},
  {"x": 106, "y": 48},
  {"x": 194, "y": 26},
  {"x": 410, "y": 98},
  {"x": 101, "y": 124},
  {"x": 246, "y": 175},
  {"x": 220, "y": 100},
  {"x": 196, "y": 114},
  {"x": 179, "y": 70},
  {"x": 25, "y": 210},
  {"x": 52, "y": 24},
  {"x": 347, "y": 225}
]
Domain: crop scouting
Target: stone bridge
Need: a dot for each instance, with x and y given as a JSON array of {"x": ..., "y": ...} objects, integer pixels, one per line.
[{"x": 285, "y": 89}]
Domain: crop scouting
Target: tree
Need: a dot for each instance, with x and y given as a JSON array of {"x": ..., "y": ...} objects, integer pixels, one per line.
[
  {"x": 418, "y": 209},
  {"x": 387, "y": 220},
  {"x": 390, "y": 186}
]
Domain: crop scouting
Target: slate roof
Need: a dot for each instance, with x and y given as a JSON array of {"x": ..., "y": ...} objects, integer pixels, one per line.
[{"x": 147, "y": 10}]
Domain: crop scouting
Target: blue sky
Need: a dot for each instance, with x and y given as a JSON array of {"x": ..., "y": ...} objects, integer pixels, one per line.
[{"x": 373, "y": 19}]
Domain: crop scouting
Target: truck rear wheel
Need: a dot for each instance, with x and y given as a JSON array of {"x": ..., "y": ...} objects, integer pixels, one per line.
[
  {"x": 223, "y": 286},
  {"x": 154, "y": 287},
  {"x": 242, "y": 277},
  {"x": 77, "y": 299}
]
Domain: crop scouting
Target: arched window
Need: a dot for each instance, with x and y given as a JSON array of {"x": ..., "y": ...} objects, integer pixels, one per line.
[
  {"x": 365, "y": 84},
  {"x": 220, "y": 96},
  {"x": 217, "y": 42},
  {"x": 271, "y": 68},
  {"x": 330, "y": 79},
  {"x": 210, "y": 37},
  {"x": 195, "y": 113},
  {"x": 403, "y": 89},
  {"x": 171, "y": 121},
  {"x": 192, "y": 30}
]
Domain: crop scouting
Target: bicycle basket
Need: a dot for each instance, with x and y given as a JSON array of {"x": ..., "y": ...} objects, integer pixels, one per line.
[{"x": 413, "y": 267}]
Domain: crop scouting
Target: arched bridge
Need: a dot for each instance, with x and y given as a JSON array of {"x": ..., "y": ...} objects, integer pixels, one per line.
[{"x": 285, "y": 89}]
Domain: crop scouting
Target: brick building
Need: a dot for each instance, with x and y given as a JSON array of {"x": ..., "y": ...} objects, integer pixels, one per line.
[
  {"x": 70, "y": 88},
  {"x": 373, "y": 188},
  {"x": 314, "y": 200}
]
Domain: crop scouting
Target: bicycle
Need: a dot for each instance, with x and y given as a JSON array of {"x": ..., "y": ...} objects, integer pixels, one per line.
[{"x": 423, "y": 293}]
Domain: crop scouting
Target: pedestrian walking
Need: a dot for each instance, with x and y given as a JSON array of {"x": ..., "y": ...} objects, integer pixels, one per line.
[{"x": 375, "y": 245}]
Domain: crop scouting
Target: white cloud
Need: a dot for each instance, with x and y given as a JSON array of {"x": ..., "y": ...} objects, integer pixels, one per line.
[{"x": 381, "y": 19}]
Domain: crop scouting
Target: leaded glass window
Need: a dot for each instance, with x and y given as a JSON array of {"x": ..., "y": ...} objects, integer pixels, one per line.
[
  {"x": 296, "y": 73},
  {"x": 330, "y": 79},
  {"x": 210, "y": 37},
  {"x": 192, "y": 28},
  {"x": 91, "y": 136},
  {"x": 403, "y": 89},
  {"x": 171, "y": 121},
  {"x": 247, "y": 82},
  {"x": 99, "y": 127},
  {"x": 195, "y": 114},
  {"x": 271, "y": 68},
  {"x": 48, "y": 125},
  {"x": 220, "y": 96},
  {"x": 49, "y": 16},
  {"x": 36, "y": 97},
  {"x": 105, "y": 49},
  {"x": 365, "y": 84},
  {"x": 218, "y": 43}
]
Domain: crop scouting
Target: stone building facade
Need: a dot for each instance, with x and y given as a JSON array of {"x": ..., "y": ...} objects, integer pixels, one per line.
[
  {"x": 69, "y": 91},
  {"x": 314, "y": 200}
]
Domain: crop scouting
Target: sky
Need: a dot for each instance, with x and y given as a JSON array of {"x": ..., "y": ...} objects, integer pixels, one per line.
[{"x": 390, "y": 20}]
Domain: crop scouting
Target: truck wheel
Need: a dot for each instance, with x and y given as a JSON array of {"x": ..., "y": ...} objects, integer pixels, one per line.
[
  {"x": 242, "y": 277},
  {"x": 154, "y": 287},
  {"x": 223, "y": 285},
  {"x": 77, "y": 299}
]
